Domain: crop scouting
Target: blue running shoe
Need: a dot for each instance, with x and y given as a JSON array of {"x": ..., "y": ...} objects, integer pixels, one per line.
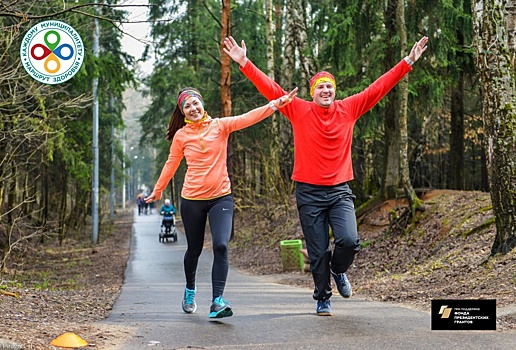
[
  {"x": 188, "y": 304},
  {"x": 342, "y": 283},
  {"x": 324, "y": 308},
  {"x": 220, "y": 308}
]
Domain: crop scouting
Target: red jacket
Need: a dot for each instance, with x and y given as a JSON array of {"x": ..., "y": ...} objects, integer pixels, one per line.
[{"x": 322, "y": 136}]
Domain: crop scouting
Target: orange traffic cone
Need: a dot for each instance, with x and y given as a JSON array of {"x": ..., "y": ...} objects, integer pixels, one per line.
[{"x": 69, "y": 340}]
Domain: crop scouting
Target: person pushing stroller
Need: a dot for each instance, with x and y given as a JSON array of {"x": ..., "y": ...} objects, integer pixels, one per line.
[{"x": 168, "y": 211}]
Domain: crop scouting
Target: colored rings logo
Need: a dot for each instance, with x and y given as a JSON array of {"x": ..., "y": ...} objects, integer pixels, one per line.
[{"x": 52, "y": 52}]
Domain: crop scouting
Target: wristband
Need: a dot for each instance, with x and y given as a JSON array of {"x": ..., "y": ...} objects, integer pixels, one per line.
[
  {"x": 272, "y": 106},
  {"x": 409, "y": 61}
]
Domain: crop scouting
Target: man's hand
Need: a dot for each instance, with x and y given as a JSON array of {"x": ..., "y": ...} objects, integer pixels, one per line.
[
  {"x": 237, "y": 53},
  {"x": 418, "y": 49}
]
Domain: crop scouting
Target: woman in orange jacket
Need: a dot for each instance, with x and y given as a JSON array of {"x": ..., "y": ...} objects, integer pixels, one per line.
[{"x": 206, "y": 192}]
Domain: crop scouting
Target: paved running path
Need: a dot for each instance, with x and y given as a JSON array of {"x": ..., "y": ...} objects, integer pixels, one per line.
[{"x": 266, "y": 315}]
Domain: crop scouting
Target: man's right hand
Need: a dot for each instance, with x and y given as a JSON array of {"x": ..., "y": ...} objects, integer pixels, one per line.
[{"x": 237, "y": 53}]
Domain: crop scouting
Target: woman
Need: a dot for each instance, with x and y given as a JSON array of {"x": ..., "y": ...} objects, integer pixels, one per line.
[{"x": 206, "y": 192}]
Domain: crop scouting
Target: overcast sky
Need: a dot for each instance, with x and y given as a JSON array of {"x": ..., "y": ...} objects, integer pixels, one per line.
[{"x": 138, "y": 30}]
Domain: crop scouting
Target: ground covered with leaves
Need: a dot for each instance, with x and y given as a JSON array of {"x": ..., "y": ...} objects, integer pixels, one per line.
[
  {"x": 48, "y": 290},
  {"x": 444, "y": 255}
]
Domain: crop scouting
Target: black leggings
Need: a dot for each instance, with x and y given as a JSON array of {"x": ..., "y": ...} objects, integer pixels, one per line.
[{"x": 220, "y": 214}]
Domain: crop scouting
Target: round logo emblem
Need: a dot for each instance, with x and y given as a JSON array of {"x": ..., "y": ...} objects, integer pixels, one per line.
[{"x": 52, "y": 52}]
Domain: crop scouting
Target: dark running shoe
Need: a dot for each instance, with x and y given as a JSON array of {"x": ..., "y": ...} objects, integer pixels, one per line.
[
  {"x": 342, "y": 283},
  {"x": 220, "y": 308},
  {"x": 188, "y": 304},
  {"x": 324, "y": 308}
]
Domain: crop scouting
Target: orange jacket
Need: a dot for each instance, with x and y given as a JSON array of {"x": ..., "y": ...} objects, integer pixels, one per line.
[{"x": 204, "y": 146}]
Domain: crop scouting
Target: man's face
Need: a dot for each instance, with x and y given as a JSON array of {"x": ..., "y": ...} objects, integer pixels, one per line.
[{"x": 324, "y": 94}]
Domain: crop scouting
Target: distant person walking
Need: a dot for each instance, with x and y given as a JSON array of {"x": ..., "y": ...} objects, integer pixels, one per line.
[
  {"x": 323, "y": 130},
  {"x": 206, "y": 192},
  {"x": 140, "y": 202}
]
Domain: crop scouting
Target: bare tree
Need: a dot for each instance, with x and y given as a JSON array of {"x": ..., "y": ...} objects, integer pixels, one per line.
[
  {"x": 414, "y": 201},
  {"x": 225, "y": 60},
  {"x": 297, "y": 19},
  {"x": 272, "y": 172},
  {"x": 392, "y": 161}
]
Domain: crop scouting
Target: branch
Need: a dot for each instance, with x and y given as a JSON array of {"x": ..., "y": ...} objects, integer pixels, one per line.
[
  {"x": 217, "y": 59},
  {"x": 26, "y": 16},
  {"x": 211, "y": 14},
  {"x": 4, "y": 12}
]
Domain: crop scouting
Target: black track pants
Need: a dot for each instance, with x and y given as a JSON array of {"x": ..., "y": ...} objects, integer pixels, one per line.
[{"x": 322, "y": 207}]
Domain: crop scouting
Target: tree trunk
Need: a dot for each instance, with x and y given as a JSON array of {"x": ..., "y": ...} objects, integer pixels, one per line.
[
  {"x": 269, "y": 33},
  {"x": 272, "y": 178},
  {"x": 286, "y": 80},
  {"x": 225, "y": 84},
  {"x": 289, "y": 52},
  {"x": 225, "y": 60},
  {"x": 456, "y": 173},
  {"x": 415, "y": 203},
  {"x": 298, "y": 29},
  {"x": 391, "y": 176},
  {"x": 495, "y": 63}
]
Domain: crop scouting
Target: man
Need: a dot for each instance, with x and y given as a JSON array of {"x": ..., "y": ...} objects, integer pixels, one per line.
[{"x": 323, "y": 131}]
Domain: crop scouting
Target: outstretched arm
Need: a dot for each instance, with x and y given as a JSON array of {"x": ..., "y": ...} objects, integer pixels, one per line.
[
  {"x": 365, "y": 100},
  {"x": 258, "y": 114},
  {"x": 169, "y": 169},
  {"x": 267, "y": 86}
]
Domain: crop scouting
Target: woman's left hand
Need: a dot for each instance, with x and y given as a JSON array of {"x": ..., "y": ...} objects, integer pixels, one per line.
[{"x": 286, "y": 99}]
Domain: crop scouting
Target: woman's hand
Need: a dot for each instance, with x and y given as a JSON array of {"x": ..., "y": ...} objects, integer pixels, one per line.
[
  {"x": 286, "y": 99},
  {"x": 150, "y": 198},
  {"x": 237, "y": 53}
]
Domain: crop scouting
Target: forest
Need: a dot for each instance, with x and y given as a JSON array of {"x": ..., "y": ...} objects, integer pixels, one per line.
[{"x": 450, "y": 124}]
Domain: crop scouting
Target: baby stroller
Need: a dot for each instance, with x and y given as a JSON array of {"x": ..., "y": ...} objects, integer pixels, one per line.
[{"x": 168, "y": 227}]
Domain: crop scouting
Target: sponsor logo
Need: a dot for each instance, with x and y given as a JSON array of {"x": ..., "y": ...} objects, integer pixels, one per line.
[
  {"x": 475, "y": 314},
  {"x": 52, "y": 52},
  {"x": 445, "y": 311}
]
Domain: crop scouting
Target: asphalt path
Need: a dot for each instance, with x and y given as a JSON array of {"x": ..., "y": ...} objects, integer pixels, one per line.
[{"x": 266, "y": 315}]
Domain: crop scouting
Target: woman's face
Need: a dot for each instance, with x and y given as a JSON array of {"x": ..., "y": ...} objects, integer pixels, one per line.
[{"x": 193, "y": 109}]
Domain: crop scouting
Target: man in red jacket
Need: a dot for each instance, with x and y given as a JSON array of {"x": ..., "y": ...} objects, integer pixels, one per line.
[{"x": 323, "y": 131}]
